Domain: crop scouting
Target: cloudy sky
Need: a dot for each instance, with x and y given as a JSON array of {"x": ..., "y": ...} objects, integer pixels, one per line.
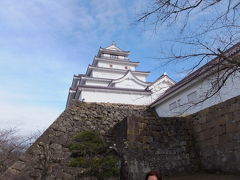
[{"x": 43, "y": 43}]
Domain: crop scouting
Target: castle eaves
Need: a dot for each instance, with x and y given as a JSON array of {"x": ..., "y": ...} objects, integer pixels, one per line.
[
  {"x": 115, "y": 70},
  {"x": 97, "y": 88},
  {"x": 109, "y": 51},
  {"x": 118, "y": 61}
]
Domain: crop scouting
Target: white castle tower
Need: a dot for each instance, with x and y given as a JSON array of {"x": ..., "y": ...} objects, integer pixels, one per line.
[{"x": 112, "y": 78}]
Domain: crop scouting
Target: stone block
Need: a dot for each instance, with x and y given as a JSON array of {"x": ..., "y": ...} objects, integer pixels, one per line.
[
  {"x": 202, "y": 119},
  {"x": 204, "y": 126},
  {"x": 236, "y": 137},
  {"x": 222, "y": 120},
  {"x": 19, "y": 165},
  {"x": 197, "y": 128},
  {"x": 234, "y": 107},
  {"x": 212, "y": 123},
  {"x": 223, "y": 139},
  {"x": 144, "y": 139},
  {"x": 214, "y": 131},
  {"x": 232, "y": 127},
  {"x": 207, "y": 134},
  {"x": 221, "y": 129},
  {"x": 214, "y": 141},
  {"x": 236, "y": 116}
]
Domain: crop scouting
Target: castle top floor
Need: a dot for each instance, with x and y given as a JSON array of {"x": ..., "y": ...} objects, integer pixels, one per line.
[{"x": 113, "y": 52}]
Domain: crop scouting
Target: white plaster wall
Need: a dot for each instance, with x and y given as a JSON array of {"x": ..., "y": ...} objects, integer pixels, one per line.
[
  {"x": 115, "y": 65},
  {"x": 108, "y": 56},
  {"x": 158, "y": 91},
  {"x": 111, "y": 97},
  {"x": 231, "y": 89},
  {"x": 106, "y": 74},
  {"x": 159, "y": 87},
  {"x": 113, "y": 75},
  {"x": 130, "y": 84},
  {"x": 141, "y": 77},
  {"x": 121, "y": 57},
  {"x": 96, "y": 83},
  {"x": 105, "y": 55}
]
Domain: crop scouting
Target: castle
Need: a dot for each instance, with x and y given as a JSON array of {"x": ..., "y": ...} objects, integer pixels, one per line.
[
  {"x": 207, "y": 140},
  {"x": 113, "y": 78}
]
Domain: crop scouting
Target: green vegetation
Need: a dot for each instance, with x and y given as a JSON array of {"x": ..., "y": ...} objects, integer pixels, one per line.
[{"x": 90, "y": 152}]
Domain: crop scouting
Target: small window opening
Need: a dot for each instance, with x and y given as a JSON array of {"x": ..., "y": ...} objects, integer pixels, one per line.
[{"x": 113, "y": 56}]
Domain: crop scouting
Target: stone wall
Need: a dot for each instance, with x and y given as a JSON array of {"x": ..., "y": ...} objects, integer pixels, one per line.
[
  {"x": 49, "y": 156},
  {"x": 208, "y": 140},
  {"x": 216, "y": 132},
  {"x": 153, "y": 143},
  {"x": 140, "y": 138}
]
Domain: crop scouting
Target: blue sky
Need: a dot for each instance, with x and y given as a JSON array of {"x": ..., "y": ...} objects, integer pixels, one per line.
[{"x": 43, "y": 43}]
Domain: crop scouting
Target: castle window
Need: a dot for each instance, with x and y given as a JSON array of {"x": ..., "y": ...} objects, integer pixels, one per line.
[
  {"x": 172, "y": 106},
  {"x": 113, "y": 56}
]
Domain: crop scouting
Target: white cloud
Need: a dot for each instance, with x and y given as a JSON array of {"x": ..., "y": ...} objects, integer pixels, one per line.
[
  {"x": 110, "y": 13},
  {"x": 44, "y": 21},
  {"x": 26, "y": 118},
  {"x": 6, "y": 96},
  {"x": 42, "y": 44},
  {"x": 38, "y": 14}
]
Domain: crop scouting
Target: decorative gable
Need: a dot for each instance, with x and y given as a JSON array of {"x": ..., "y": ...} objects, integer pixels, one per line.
[
  {"x": 161, "y": 84},
  {"x": 113, "y": 47},
  {"x": 128, "y": 81}
]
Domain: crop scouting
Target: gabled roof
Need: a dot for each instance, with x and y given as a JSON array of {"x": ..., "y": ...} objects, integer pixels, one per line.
[
  {"x": 164, "y": 75},
  {"x": 113, "y": 47},
  {"x": 128, "y": 75}
]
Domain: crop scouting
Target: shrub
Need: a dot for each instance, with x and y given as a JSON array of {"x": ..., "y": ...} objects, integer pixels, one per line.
[{"x": 90, "y": 152}]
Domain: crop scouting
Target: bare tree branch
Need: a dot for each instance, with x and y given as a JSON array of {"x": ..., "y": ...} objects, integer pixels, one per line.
[
  {"x": 203, "y": 40},
  {"x": 12, "y": 145}
]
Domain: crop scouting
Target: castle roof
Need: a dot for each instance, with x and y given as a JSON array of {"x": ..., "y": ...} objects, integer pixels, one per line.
[
  {"x": 114, "y": 89},
  {"x": 129, "y": 75},
  {"x": 194, "y": 76},
  {"x": 113, "y": 49},
  {"x": 119, "y": 61},
  {"x": 90, "y": 67}
]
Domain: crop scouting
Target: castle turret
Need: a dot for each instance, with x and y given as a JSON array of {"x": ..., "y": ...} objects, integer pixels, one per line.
[{"x": 112, "y": 78}]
